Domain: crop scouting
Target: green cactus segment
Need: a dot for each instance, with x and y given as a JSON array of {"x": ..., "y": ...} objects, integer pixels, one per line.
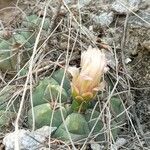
[
  {"x": 115, "y": 129},
  {"x": 6, "y": 56},
  {"x": 54, "y": 92},
  {"x": 91, "y": 117},
  {"x": 95, "y": 124},
  {"x": 117, "y": 110},
  {"x": 43, "y": 115},
  {"x": 77, "y": 126},
  {"x": 33, "y": 21},
  {"x": 58, "y": 76},
  {"x": 9, "y": 49},
  {"x": 79, "y": 106},
  {"x": 23, "y": 72},
  {"x": 6, "y": 117},
  {"x": 14, "y": 45},
  {"x": 29, "y": 36},
  {"x": 68, "y": 108},
  {"x": 48, "y": 90},
  {"x": 20, "y": 39},
  {"x": 38, "y": 93},
  {"x": 24, "y": 38},
  {"x": 5, "y": 99}
]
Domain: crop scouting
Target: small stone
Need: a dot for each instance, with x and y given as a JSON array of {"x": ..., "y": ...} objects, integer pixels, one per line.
[
  {"x": 111, "y": 60},
  {"x": 141, "y": 20},
  {"x": 104, "y": 19},
  {"x": 119, "y": 142},
  {"x": 82, "y": 3},
  {"x": 95, "y": 146},
  {"x": 125, "y": 6},
  {"x": 26, "y": 139},
  {"x": 127, "y": 60},
  {"x": 45, "y": 130},
  {"x": 146, "y": 45}
]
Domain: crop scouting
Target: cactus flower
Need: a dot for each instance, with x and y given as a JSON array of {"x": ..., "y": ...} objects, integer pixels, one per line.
[{"x": 88, "y": 80}]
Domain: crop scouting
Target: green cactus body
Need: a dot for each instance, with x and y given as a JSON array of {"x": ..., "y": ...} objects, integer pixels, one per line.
[
  {"x": 26, "y": 40},
  {"x": 79, "y": 106},
  {"x": 48, "y": 90},
  {"x": 115, "y": 129},
  {"x": 91, "y": 117},
  {"x": 6, "y": 56},
  {"x": 34, "y": 21},
  {"x": 38, "y": 93},
  {"x": 68, "y": 108},
  {"x": 29, "y": 36},
  {"x": 20, "y": 39},
  {"x": 58, "y": 76},
  {"x": 117, "y": 109},
  {"x": 98, "y": 131},
  {"x": 9, "y": 49},
  {"x": 52, "y": 93},
  {"x": 5, "y": 98},
  {"x": 43, "y": 115},
  {"x": 77, "y": 126},
  {"x": 6, "y": 117}
]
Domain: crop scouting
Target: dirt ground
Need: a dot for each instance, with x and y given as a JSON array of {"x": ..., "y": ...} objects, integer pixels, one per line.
[{"x": 129, "y": 38}]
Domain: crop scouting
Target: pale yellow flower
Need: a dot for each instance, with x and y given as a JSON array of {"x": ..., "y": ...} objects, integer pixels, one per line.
[{"x": 87, "y": 81}]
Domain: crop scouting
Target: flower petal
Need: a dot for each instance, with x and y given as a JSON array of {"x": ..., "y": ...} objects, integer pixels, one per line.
[
  {"x": 87, "y": 96},
  {"x": 85, "y": 77},
  {"x": 79, "y": 98},
  {"x": 101, "y": 87},
  {"x": 74, "y": 71}
]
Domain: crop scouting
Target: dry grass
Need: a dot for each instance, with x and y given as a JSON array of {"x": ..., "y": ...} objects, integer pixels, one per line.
[{"x": 59, "y": 47}]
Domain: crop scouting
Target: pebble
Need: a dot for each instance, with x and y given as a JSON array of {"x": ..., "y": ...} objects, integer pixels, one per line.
[
  {"x": 82, "y": 3},
  {"x": 118, "y": 144},
  {"x": 127, "y": 60},
  {"x": 26, "y": 139},
  {"x": 124, "y": 6},
  {"x": 104, "y": 19},
  {"x": 142, "y": 19},
  {"x": 95, "y": 146}
]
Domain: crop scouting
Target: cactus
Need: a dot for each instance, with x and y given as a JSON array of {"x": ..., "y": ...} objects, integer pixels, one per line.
[
  {"x": 114, "y": 129},
  {"x": 77, "y": 126},
  {"x": 9, "y": 49},
  {"x": 91, "y": 117},
  {"x": 43, "y": 115},
  {"x": 33, "y": 21},
  {"x": 58, "y": 75},
  {"x": 48, "y": 90},
  {"x": 5, "y": 119},
  {"x": 5, "y": 97},
  {"x": 52, "y": 93},
  {"x": 20, "y": 39},
  {"x": 117, "y": 109},
  {"x": 6, "y": 56},
  {"x": 29, "y": 36}
]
